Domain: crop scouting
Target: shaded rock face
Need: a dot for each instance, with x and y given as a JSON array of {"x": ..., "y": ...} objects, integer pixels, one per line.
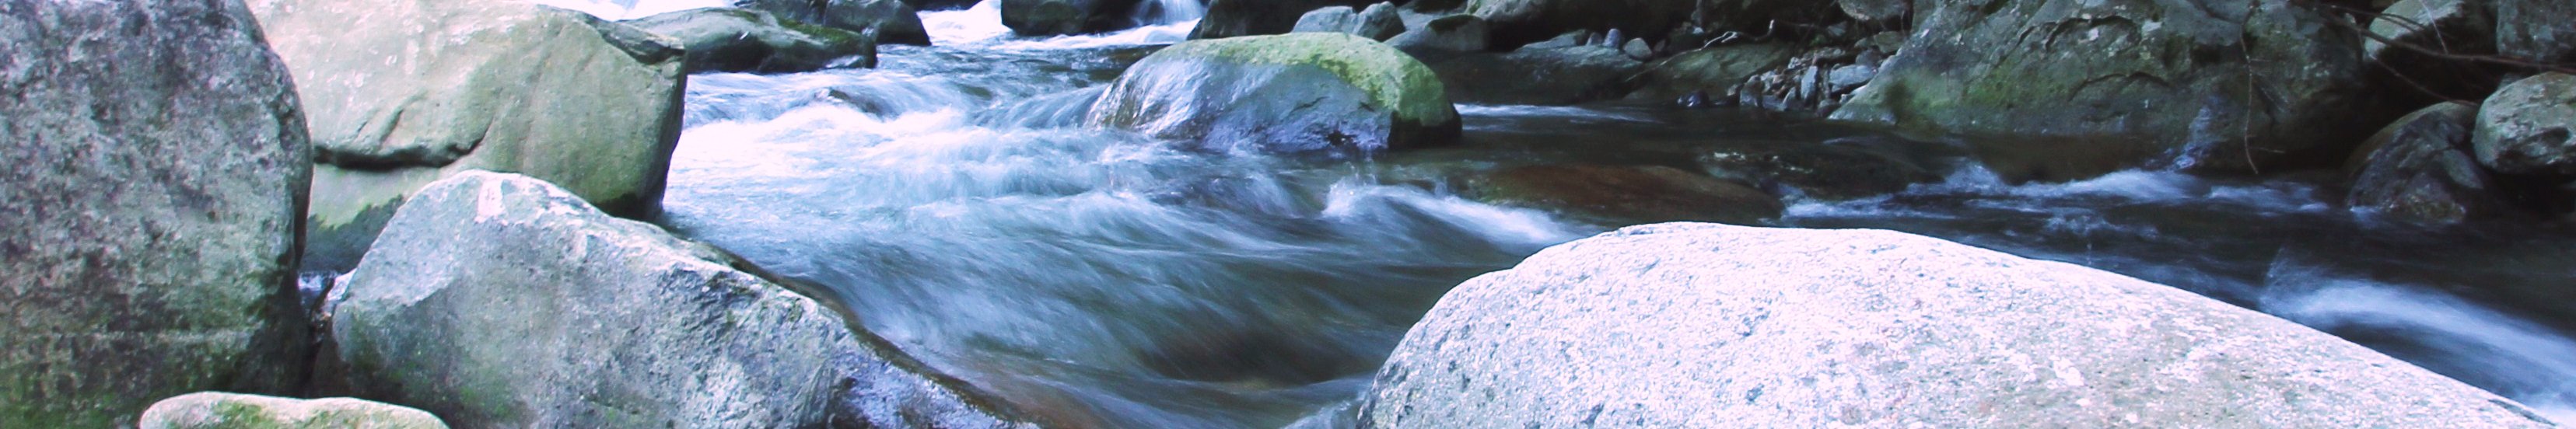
[
  {"x": 1698, "y": 325},
  {"x": 1519, "y": 22},
  {"x": 2536, "y": 30},
  {"x": 214, "y": 410},
  {"x": 1235, "y": 18},
  {"x": 1562, "y": 71},
  {"x": 1454, "y": 33},
  {"x": 895, "y": 21},
  {"x": 737, "y": 40},
  {"x": 2420, "y": 169},
  {"x": 2464, "y": 27},
  {"x": 1298, "y": 92},
  {"x": 588, "y": 104},
  {"x": 2215, "y": 83},
  {"x": 1378, "y": 22},
  {"x": 148, "y": 216},
  {"x": 1627, "y": 195},
  {"x": 497, "y": 300},
  {"x": 1060, "y": 17},
  {"x": 941, "y": 4},
  {"x": 2529, "y": 127}
]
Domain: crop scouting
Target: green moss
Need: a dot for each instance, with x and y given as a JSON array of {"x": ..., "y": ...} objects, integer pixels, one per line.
[{"x": 1389, "y": 77}]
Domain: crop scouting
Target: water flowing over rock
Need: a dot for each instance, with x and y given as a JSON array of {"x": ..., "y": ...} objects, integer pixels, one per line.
[
  {"x": 737, "y": 40},
  {"x": 2529, "y": 127},
  {"x": 1060, "y": 17},
  {"x": 1286, "y": 93},
  {"x": 591, "y": 105},
  {"x": 497, "y": 300},
  {"x": 1698, "y": 325},
  {"x": 2421, "y": 169},
  {"x": 157, "y": 166},
  {"x": 2208, "y": 84},
  {"x": 214, "y": 410},
  {"x": 894, "y": 21},
  {"x": 1235, "y": 18}
]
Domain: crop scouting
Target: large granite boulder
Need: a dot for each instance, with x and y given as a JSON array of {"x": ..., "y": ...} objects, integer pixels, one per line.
[
  {"x": 510, "y": 86},
  {"x": 1235, "y": 18},
  {"x": 1286, "y": 93},
  {"x": 1701, "y": 325},
  {"x": 214, "y": 410},
  {"x": 157, "y": 165},
  {"x": 1060, "y": 17},
  {"x": 2205, "y": 84},
  {"x": 2536, "y": 30},
  {"x": 2529, "y": 127},
  {"x": 894, "y": 21},
  {"x": 497, "y": 300},
  {"x": 2421, "y": 169},
  {"x": 1379, "y": 22},
  {"x": 741, "y": 40}
]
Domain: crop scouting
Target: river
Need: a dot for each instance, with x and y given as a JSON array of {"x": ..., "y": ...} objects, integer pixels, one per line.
[{"x": 1100, "y": 278}]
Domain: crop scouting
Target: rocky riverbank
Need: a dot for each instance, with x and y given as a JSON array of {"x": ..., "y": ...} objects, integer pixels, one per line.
[{"x": 490, "y": 177}]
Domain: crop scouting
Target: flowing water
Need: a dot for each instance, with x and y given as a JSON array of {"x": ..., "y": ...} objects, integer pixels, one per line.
[{"x": 1100, "y": 278}]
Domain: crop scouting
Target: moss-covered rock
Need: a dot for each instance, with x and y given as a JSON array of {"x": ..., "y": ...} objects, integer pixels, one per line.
[
  {"x": 214, "y": 410},
  {"x": 894, "y": 21},
  {"x": 509, "y": 86},
  {"x": 739, "y": 40},
  {"x": 2529, "y": 127},
  {"x": 2215, "y": 85},
  {"x": 156, "y": 167},
  {"x": 497, "y": 300},
  {"x": 1294, "y": 92}
]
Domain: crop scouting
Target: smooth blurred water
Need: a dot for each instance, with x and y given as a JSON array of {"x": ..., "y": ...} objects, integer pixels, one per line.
[{"x": 1099, "y": 278}]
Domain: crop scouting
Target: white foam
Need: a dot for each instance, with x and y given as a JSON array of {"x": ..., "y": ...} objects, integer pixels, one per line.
[{"x": 2538, "y": 364}]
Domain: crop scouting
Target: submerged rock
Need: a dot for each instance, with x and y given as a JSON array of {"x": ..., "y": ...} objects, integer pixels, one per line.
[
  {"x": 213, "y": 410},
  {"x": 2217, "y": 85},
  {"x": 737, "y": 40},
  {"x": 1378, "y": 22},
  {"x": 1287, "y": 93},
  {"x": 1060, "y": 17},
  {"x": 157, "y": 163},
  {"x": 1236, "y": 18},
  {"x": 1697, "y": 325},
  {"x": 497, "y": 300},
  {"x": 894, "y": 21},
  {"x": 2529, "y": 127},
  {"x": 1627, "y": 195},
  {"x": 588, "y": 104},
  {"x": 2421, "y": 169}
]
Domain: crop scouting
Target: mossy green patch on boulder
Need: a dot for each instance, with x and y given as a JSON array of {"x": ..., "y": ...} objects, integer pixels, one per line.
[
  {"x": 215, "y": 410},
  {"x": 1290, "y": 92}
]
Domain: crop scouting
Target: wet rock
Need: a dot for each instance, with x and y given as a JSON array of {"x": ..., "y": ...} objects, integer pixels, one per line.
[
  {"x": 1519, "y": 22},
  {"x": 1539, "y": 74},
  {"x": 390, "y": 114},
  {"x": 737, "y": 40},
  {"x": 2038, "y": 68},
  {"x": 1714, "y": 71},
  {"x": 894, "y": 21},
  {"x": 2529, "y": 127},
  {"x": 1286, "y": 93},
  {"x": 1697, "y": 325},
  {"x": 2420, "y": 169},
  {"x": 928, "y": 5},
  {"x": 213, "y": 410},
  {"x": 498, "y": 300},
  {"x": 1875, "y": 11},
  {"x": 157, "y": 164},
  {"x": 1060, "y": 17},
  {"x": 2465, "y": 27},
  {"x": 1849, "y": 77},
  {"x": 1378, "y": 22},
  {"x": 1636, "y": 48},
  {"x": 1235, "y": 18},
  {"x": 1839, "y": 169},
  {"x": 1626, "y": 195},
  {"x": 1800, "y": 85},
  {"x": 1454, "y": 33},
  {"x": 2536, "y": 30}
]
